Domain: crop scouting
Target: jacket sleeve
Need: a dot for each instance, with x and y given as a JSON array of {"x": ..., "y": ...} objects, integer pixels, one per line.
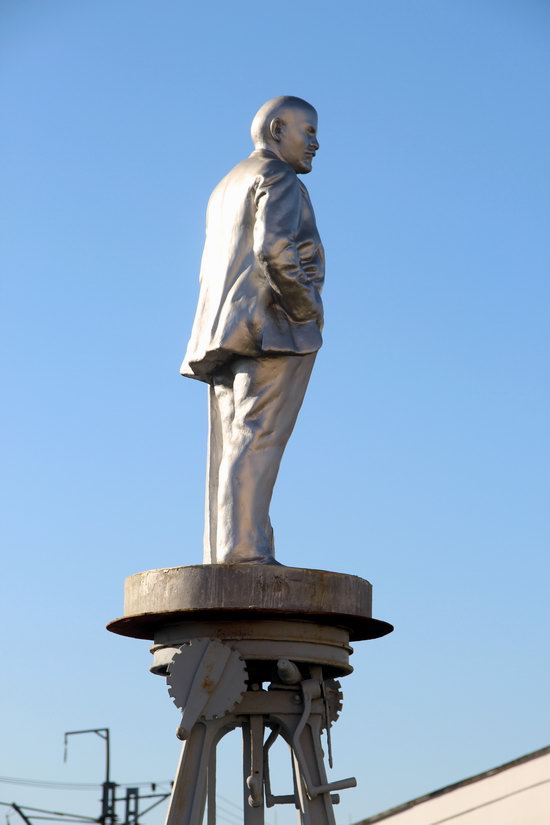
[{"x": 278, "y": 207}]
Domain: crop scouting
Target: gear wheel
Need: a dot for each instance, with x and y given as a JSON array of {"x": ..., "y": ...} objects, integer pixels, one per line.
[
  {"x": 206, "y": 679},
  {"x": 334, "y": 700}
]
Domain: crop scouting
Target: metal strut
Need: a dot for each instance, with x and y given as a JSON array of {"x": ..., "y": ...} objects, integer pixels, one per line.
[{"x": 207, "y": 680}]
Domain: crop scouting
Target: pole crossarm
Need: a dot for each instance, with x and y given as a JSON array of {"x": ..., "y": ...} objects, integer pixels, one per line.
[{"x": 104, "y": 734}]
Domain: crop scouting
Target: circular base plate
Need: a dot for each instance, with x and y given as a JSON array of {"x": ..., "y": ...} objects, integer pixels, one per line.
[{"x": 244, "y": 592}]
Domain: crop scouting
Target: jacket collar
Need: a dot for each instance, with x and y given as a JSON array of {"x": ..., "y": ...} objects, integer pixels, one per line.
[{"x": 266, "y": 153}]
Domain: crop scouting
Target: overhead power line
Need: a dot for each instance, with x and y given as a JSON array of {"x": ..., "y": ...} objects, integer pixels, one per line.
[
  {"x": 230, "y": 802},
  {"x": 132, "y": 795},
  {"x": 76, "y": 786},
  {"x": 74, "y": 817},
  {"x": 44, "y": 783}
]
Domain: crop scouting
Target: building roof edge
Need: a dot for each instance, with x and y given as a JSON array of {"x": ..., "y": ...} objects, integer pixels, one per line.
[{"x": 412, "y": 803}]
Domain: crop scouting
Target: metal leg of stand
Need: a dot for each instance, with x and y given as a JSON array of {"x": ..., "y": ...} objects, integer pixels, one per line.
[
  {"x": 188, "y": 799},
  {"x": 320, "y": 809},
  {"x": 300, "y": 792},
  {"x": 211, "y": 789},
  {"x": 297, "y": 789},
  {"x": 253, "y": 735}
]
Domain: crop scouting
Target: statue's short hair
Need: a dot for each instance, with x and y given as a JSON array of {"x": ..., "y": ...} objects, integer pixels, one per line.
[{"x": 276, "y": 107}]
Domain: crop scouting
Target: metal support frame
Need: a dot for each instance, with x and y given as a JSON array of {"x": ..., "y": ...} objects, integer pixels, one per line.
[
  {"x": 294, "y": 707},
  {"x": 221, "y": 633}
]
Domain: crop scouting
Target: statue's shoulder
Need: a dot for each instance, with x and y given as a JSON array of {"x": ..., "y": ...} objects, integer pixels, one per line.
[
  {"x": 247, "y": 170},
  {"x": 255, "y": 170},
  {"x": 266, "y": 165}
]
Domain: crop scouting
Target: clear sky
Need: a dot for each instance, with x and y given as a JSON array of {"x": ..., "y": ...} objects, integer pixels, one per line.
[{"x": 421, "y": 458}]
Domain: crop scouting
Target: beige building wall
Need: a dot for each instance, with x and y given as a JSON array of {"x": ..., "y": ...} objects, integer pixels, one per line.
[{"x": 517, "y": 793}]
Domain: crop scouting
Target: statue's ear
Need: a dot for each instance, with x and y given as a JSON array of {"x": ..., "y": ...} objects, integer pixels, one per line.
[{"x": 276, "y": 128}]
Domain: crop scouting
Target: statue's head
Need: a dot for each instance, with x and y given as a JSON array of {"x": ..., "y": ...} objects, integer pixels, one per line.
[{"x": 288, "y": 127}]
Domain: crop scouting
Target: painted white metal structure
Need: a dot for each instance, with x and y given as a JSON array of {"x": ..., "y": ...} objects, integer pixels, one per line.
[{"x": 257, "y": 648}]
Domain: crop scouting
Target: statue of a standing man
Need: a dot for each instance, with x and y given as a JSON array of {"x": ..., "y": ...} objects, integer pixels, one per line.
[{"x": 258, "y": 326}]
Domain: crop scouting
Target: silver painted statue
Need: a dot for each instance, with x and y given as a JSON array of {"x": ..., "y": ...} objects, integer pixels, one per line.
[{"x": 258, "y": 326}]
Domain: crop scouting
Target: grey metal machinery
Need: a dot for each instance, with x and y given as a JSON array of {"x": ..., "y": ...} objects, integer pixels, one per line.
[{"x": 260, "y": 648}]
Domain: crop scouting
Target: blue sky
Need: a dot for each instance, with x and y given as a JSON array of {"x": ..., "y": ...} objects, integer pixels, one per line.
[{"x": 421, "y": 457}]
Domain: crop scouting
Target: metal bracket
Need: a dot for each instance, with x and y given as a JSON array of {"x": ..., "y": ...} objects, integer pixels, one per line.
[{"x": 311, "y": 689}]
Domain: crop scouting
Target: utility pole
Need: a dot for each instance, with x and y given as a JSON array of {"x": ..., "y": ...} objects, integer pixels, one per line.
[
  {"x": 108, "y": 814},
  {"x": 131, "y": 808},
  {"x": 133, "y": 800}
]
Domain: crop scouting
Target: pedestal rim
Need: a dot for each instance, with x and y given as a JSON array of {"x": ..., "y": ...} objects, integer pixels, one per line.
[{"x": 144, "y": 625}]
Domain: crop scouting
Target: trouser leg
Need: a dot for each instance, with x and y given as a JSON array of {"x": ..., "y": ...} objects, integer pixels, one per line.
[
  {"x": 220, "y": 421},
  {"x": 267, "y": 394}
]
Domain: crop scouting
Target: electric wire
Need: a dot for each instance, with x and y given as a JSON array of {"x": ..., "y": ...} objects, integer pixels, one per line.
[
  {"x": 76, "y": 786},
  {"x": 227, "y": 812},
  {"x": 490, "y": 802},
  {"x": 236, "y": 815},
  {"x": 44, "y": 783},
  {"x": 74, "y": 817},
  {"x": 230, "y": 811},
  {"x": 32, "y": 813},
  {"x": 224, "y": 819},
  {"x": 230, "y": 802}
]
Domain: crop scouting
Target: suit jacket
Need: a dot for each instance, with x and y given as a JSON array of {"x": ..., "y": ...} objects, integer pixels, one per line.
[{"x": 262, "y": 269}]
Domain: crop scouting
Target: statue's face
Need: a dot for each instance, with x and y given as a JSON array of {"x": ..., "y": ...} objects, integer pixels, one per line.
[{"x": 297, "y": 139}]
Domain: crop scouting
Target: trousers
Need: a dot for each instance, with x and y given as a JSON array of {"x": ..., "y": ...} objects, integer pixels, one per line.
[{"x": 253, "y": 407}]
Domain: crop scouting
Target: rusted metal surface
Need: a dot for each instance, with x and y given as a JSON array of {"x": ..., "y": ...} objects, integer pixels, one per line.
[{"x": 206, "y": 679}]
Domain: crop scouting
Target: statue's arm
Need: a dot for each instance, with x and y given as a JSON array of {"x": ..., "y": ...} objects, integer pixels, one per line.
[{"x": 278, "y": 206}]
